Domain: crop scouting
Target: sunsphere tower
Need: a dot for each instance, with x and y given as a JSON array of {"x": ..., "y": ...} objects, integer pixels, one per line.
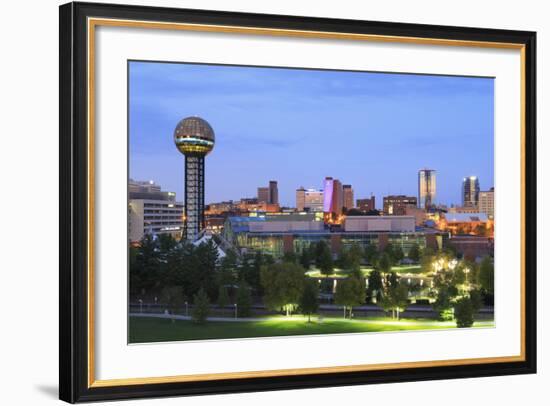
[{"x": 194, "y": 138}]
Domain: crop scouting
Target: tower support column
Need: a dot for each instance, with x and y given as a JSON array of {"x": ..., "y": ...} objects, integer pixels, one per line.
[{"x": 194, "y": 196}]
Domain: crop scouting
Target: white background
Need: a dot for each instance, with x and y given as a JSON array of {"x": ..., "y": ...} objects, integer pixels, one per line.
[{"x": 28, "y": 163}]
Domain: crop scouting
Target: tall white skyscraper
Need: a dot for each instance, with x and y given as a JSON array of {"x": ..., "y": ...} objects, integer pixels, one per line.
[
  {"x": 470, "y": 191},
  {"x": 426, "y": 188}
]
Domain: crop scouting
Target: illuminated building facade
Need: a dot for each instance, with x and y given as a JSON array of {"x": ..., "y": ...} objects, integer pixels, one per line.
[
  {"x": 333, "y": 196},
  {"x": 347, "y": 194},
  {"x": 487, "y": 203},
  {"x": 310, "y": 200},
  {"x": 152, "y": 211},
  {"x": 396, "y": 205},
  {"x": 214, "y": 209},
  {"x": 277, "y": 235},
  {"x": 470, "y": 191},
  {"x": 194, "y": 138},
  {"x": 273, "y": 192},
  {"x": 263, "y": 194},
  {"x": 426, "y": 188},
  {"x": 366, "y": 205},
  {"x": 254, "y": 205}
]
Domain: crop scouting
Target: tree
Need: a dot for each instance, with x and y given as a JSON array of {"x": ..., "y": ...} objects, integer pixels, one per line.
[
  {"x": 201, "y": 307},
  {"x": 427, "y": 260},
  {"x": 371, "y": 254},
  {"x": 305, "y": 259},
  {"x": 244, "y": 300},
  {"x": 324, "y": 259},
  {"x": 350, "y": 292},
  {"x": 355, "y": 255},
  {"x": 223, "y": 297},
  {"x": 250, "y": 270},
  {"x": 228, "y": 268},
  {"x": 283, "y": 284},
  {"x": 166, "y": 242},
  {"x": 145, "y": 266},
  {"x": 398, "y": 254},
  {"x": 444, "y": 302},
  {"x": 375, "y": 282},
  {"x": 384, "y": 263},
  {"x": 395, "y": 297},
  {"x": 414, "y": 253},
  {"x": 290, "y": 257},
  {"x": 172, "y": 297},
  {"x": 394, "y": 253},
  {"x": 309, "y": 301},
  {"x": 206, "y": 260},
  {"x": 464, "y": 312},
  {"x": 487, "y": 275}
]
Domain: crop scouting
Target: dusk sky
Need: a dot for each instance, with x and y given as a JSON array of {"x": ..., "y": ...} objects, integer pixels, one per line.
[{"x": 371, "y": 130}]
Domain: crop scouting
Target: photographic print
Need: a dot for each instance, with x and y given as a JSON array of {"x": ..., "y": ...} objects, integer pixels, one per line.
[{"x": 271, "y": 201}]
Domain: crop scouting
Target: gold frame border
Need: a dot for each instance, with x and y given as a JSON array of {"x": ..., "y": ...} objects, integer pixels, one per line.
[{"x": 94, "y": 22}]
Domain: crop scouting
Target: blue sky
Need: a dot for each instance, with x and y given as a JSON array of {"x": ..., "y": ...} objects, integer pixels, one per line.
[{"x": 371, "y": 130}]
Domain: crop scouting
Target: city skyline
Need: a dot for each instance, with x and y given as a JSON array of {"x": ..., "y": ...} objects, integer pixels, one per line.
[{"x": 266, "y": 128}]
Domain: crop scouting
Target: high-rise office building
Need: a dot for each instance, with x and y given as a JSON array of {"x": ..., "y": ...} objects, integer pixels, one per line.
[
  {"x": 314, "y": 200},
  {"x": 263, "y": 194},
  {"x": 470, "y": 191},
  {"x": 194, "y": 138},
  {"x": 273, "y": 192},
  {"x": 309, "y": 200},
  {"x": 300, "y": 198},
  {"x": 348, "y": 200},
  {"x": 487, "y": 202},
  {"x": 366, "y": 205},
  {"x": 426, "y": 188},
  {"x": 333, "y": 196},
  {"x": 396, "y": 205}
]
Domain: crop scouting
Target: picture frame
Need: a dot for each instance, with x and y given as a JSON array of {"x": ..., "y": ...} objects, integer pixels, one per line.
[{"x": 77, "y": 280}]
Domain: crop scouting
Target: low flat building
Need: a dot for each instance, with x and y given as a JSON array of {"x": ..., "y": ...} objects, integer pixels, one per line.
[
  {"x": 152, "y": 211},
  {"x": 418, "y": 214},
  {"x": 366, "y": 205},
  {"x": 396, "y": 205},
  {"x": 379, "y": 223},
  {"x": 472, "y": 246},
  {"x": 463, "y": 210},
  {"x": 466, "y": 223},
  {"x": 279, "y": 234},
  {"x": 154, "y": 217}
]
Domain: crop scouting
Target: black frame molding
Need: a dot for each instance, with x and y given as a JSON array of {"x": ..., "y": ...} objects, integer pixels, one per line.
[{"x": 73, "y": 254}]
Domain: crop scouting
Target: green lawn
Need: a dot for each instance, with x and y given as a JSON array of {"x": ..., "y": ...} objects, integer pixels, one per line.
[{"x": 147, "y": 329}]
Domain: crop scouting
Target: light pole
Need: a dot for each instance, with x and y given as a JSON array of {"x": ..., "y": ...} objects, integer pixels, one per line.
[{"x": 235, "y": 309}]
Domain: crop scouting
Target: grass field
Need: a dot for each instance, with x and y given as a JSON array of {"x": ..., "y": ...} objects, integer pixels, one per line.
[{"x": 146, "y": 329}]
